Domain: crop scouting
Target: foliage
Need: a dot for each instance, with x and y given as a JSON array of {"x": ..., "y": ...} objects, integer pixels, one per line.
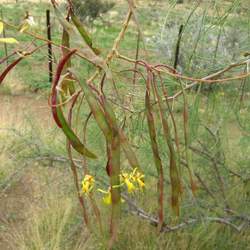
[
  {"x": 6, "y": 40},
  {"x": 91, "y": 8},
  {"x": 126, "y": 139},
  {"x": 214, "y": 38}
]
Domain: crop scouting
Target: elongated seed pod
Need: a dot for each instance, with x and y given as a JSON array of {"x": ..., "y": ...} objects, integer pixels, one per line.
[
  {"x": 155, "y": 150},
  {"x": 9, "y": 68},
  {"x": 174, "y": 173},
  {"x": 58, "y": 114}
]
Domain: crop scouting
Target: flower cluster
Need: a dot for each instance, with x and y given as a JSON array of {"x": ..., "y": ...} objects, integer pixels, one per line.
[
  {"x": 133, "y": 181},
  {"x": 88, "y": 184}
]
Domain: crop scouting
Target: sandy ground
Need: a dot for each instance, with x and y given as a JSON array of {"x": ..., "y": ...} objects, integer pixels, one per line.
[
  {"x": 14, "y": 109},
  {"x": 16, "y": 198}
]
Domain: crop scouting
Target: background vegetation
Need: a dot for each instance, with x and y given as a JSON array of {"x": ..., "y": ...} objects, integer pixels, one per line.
[{"x": 38, "y": 202}]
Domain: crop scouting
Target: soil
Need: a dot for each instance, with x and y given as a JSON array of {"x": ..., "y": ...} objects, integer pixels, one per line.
[
  {"x": 17, "y": 197},
  {"x": 15, "y": 109}
]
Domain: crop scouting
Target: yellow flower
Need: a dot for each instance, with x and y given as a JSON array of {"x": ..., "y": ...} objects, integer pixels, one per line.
[
  {"x": 88, "y": 184},
  {"x": 131, "y": 187},
  {"x": 27, "y": 23},
  {"x": 107, "y": 198},
  {"x": 139, "y": 178},
  {"x": 140, "y": 183},
  {"x": 126, "y": 178},
  {"x": 132, "y": 180}
]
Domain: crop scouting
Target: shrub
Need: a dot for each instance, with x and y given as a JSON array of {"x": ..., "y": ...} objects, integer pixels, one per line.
[{"x": 91, "y": 8}]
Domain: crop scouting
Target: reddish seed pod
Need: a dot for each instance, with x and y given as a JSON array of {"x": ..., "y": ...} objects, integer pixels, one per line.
[
  {"x": 59, "y": 70},
  {"x": 9, "y": 68}
]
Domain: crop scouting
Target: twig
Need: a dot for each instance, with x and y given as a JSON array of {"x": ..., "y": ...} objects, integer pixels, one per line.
[
  {"x": 206, "y": 79},
  {"x": 135, "y": 210},
  {"x": 119, "y": 38}
]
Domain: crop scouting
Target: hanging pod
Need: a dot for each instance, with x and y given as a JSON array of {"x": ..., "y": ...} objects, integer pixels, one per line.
[{"x": 58, "y": 114}]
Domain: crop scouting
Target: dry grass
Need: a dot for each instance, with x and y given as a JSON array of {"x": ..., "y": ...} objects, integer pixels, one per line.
[
  {"x": 39, "y": 210},
  {"x": 32, "y": 1}
]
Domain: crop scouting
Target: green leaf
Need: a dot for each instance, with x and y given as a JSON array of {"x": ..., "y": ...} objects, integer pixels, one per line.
[
  {"x": 84, "y": 34},
  {"x": 8, "y": 40},
  {"x": 84, "y": 50}
]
